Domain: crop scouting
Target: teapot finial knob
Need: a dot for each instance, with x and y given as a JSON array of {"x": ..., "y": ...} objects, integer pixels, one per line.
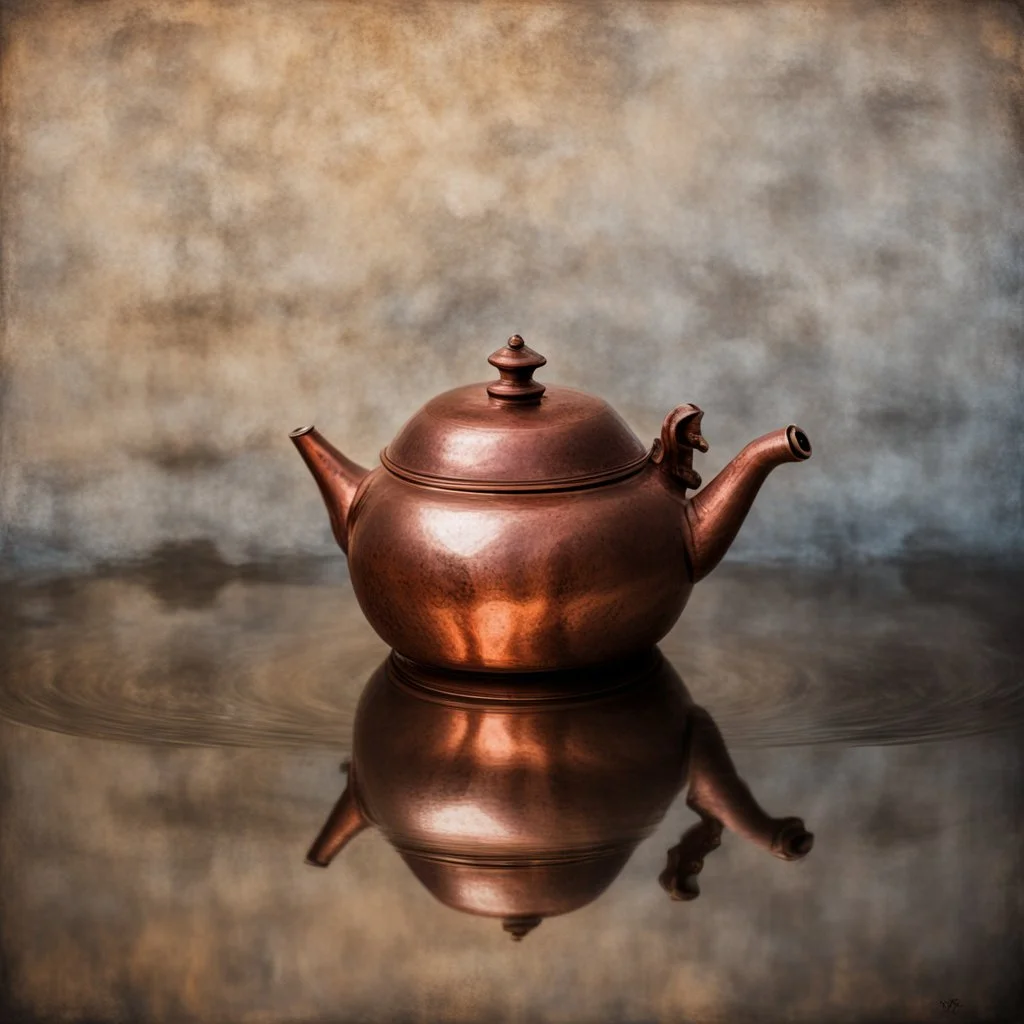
[{"x": 515, "y": 364}]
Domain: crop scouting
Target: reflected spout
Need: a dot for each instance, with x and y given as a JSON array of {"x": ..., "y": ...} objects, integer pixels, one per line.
[
  {"x": 715, "y": 515},
  {"x": 337, "y": 477},
  {"x": 346, "y": 821},
  {"x": 717, "y": 792},
  {"x": 723, "y": 800}
]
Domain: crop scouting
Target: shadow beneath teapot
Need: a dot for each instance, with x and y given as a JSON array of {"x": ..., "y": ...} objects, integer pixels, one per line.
[{"x": 522, "y": 797}]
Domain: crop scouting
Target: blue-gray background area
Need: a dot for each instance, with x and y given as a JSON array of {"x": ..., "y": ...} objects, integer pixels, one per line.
[{"x": 224, "y": 221}]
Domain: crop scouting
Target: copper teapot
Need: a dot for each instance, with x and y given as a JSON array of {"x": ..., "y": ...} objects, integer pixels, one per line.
[
  {"x": 523, "y": 797},
  {"x": 514, "y": 526}
]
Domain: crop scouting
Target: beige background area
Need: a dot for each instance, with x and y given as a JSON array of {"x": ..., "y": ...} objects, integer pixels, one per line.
[{"x": 223, "y": 220}]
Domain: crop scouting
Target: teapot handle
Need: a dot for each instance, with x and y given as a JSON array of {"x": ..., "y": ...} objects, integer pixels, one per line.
[{"x": 680, "y": 435}]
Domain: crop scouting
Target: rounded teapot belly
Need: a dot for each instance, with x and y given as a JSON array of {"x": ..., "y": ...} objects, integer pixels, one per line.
[
  {"x": 523, "y": 796},
  {"x": 520, "y": 775},
  {"x": 518, "y": 582}
]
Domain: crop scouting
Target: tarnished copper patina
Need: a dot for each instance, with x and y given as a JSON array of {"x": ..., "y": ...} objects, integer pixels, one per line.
[
  {"x": 517, "y": 526},
  {"x": 523, "y": 797}
]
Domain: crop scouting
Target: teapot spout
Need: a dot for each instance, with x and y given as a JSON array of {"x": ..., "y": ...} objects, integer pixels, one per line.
[
  {"x": 723, "y": 800},
  {"x": 345, "y": 822},
  {"x": 717, "y": 792},
  {"x": 337, "y": 476},
  {"x": 715, "y": 514}
]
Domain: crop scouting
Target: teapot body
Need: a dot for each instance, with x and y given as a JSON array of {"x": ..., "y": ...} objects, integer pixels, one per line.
[
  {"x": 450, "y": 770},
  {"x": 519, "y": 582},
  {"x": 518, "y": 527},
  {"x": 523, "y": 796}
]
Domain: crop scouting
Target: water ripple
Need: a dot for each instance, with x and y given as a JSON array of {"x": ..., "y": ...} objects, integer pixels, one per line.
[{"x": 877, "y": 657}]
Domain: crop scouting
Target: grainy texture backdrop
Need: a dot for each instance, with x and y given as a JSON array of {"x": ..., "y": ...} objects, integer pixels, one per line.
[
  {"x": 167, "y": 885},
  {"x": 223, "y": 220}
]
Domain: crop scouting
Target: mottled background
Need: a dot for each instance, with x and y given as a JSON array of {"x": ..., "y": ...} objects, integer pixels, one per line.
[{"x": 223, "y": 220}]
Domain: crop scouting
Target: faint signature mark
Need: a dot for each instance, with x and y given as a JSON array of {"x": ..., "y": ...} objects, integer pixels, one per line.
[{"x": 952, "y": 1005}]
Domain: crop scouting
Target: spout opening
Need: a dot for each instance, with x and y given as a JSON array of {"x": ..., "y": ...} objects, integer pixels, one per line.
[
  {"x": 799, "y": 442},
  {"x": 801, "y": 845},
  {"x": 299, "y": 431},
  {"x": 793, "y": 841}
]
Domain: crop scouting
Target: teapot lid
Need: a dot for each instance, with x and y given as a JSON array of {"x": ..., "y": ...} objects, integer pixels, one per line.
[{"x": 515, "y": 434}]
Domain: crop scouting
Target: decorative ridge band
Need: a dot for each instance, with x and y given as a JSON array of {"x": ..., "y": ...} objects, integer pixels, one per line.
[
  {"x": 506, "y": 860},
  {"x": 521, "y": 691},
  {"x": 569, "y": 483}
]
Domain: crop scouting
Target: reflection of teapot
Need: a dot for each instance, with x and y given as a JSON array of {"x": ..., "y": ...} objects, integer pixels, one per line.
[
  {"x": 518, "y": 527},
  {"x": 523, "y": 797}
]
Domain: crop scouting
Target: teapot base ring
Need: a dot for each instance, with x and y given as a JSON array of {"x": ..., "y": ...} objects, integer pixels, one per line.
[{"x": 521, "y": 691}]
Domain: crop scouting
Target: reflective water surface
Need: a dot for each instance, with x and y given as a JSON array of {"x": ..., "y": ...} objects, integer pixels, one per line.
[{"x": 170, "y": 741}]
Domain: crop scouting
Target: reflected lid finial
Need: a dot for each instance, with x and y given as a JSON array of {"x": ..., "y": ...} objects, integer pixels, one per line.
[{"x": 517, "y": 927}]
